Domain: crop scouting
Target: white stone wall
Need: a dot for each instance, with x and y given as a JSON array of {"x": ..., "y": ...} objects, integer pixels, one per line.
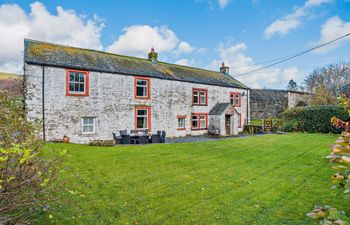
[{"x": 111, "y": 101}]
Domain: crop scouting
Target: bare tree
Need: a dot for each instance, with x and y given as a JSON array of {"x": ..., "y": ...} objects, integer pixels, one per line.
[{"x": 331, "y": 77}]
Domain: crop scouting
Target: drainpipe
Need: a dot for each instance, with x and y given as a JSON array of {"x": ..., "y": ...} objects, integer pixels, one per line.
[
  {"x": 247, "y": 111},
  {"x": 43, "y": 101}
]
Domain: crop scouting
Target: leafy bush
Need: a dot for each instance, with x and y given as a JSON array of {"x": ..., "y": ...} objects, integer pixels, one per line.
[
  {"x": 313, "y": 119},
  {"x": 26, "y": 175}
]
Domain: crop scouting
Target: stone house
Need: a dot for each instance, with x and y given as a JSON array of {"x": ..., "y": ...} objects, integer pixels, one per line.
[{"x": 87, "y": 95}]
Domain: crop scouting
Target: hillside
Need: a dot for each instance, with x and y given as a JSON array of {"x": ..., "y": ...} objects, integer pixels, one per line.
[{"x": 12, "y": 83}]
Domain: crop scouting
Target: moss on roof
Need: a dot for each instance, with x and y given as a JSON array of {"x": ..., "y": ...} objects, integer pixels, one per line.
[{"x": 43, "y": 53}]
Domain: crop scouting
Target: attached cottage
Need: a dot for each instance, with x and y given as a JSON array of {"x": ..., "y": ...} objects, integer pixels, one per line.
[{"x": 87, "y": 95}]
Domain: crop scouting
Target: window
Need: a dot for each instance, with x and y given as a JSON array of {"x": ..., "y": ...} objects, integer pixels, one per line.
[
  {"x": 196, "y": 97},
  {"x": 181, "y": 122},
  {"x": 77, "y": 83},
  {"x": 199, "y": 96},
  {"x": 142, "y": 117},
  {"x": 88, "y": 125},
  {"x": 142, "y": 88},
  {"x": 235, "y": 99},
  {"x": 199, "y": 121}
]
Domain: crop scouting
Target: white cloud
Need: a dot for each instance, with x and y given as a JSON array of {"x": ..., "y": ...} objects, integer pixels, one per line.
[
  {"x": 66, "y": 27},
  {"x": 223, "y": 3},
  {"x": 138, "y": 40},
  {"x": 235, "y": 57},
  {"x": 184, "y": 48},
  {"x": 333, "y": 28},
  {"x": 291, "y": 21}
]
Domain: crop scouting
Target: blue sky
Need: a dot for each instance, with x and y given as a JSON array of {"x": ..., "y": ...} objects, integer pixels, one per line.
[{"x": 200, "y": 33}]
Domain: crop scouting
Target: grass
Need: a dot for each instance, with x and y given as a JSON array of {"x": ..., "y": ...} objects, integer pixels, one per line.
[
  {"x": 272, "y": 179},
  {"x": 6, "y": 76}
]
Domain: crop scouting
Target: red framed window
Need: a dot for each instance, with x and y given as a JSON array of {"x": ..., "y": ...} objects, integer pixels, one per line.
[
  {"x": 240, "y": 120},
  {"x": 199, "y": 121},
  {"x": 143, "y": 118},
  {"x": 142, "y": 88},
  {"x": 199, "y": 96},
  {"x": 236, "y": 99},
  {"x": 181, "y": 122},
  {"x": 77, "y": 82}
]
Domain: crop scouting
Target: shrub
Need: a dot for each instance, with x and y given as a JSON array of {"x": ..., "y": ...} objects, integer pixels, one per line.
[
  {"x": 313, "y": 119},
  {"x": 26, "y": 175}
]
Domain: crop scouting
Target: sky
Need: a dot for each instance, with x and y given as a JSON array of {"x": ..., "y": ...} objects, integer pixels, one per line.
[{"x": 198, "y": 33}]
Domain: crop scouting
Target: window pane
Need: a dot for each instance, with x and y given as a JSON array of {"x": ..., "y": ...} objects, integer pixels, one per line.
[
  {"x": 71, "y": 77},
  {"x": 82, "y": 88},
  {"x": 142, "y": 112},
  {"x": 237, "y": 99},
  {"x": 181, "y": 122},
  {"x": 82, "y": 78},
  {"x": 76, "y": 77},
  {"x": 76, "y": 87},
  {"x": 142, "y": 122},
  {"x": 141, "y": 82},
  {"x": 203, "y": 121},
  {"x": 203, "y": 97},
  {"x": 195, "y": 121},
  {"x": 196, "y": 97},
  {"x": 71, "y": 87},
  {"x": 141, "y": 91}
]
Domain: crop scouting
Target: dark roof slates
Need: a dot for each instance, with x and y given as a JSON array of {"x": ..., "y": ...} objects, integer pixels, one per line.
[{"x": 43, "y": 53}]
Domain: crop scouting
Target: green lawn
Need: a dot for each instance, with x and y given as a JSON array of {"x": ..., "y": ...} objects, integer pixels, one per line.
[{"x": 272, "y": 179}]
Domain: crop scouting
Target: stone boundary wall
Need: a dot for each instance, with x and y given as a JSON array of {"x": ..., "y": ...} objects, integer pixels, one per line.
[{"x": 270, "y": 103}]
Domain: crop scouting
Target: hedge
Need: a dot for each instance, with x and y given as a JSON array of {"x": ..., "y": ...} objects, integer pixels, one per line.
[{"x": 313, "y": 119}]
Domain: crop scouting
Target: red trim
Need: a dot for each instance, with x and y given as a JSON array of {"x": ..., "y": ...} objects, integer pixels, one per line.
[
  {"x": 148, "y": 87},
  {"x": 235, "y": 94},
  {"x": 240, "y": 120},
  {"x": 199, "y": 96},
  {"x": 148, "y": 115},
  {"x": 199, "y": 121},
  {"x": 182, "y": 117},
  {"x": 86, "y": 83}
]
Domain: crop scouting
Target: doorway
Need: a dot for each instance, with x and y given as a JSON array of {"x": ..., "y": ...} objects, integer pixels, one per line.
[{"x": 228, "y": 124}]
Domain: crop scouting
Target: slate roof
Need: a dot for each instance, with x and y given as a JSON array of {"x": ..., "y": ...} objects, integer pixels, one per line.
[
  {"x": 48, "y": 54},
  {"x": 219, "y": 109}
]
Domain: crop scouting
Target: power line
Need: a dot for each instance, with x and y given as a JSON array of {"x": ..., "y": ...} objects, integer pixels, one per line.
[{"x": 283, "y": 59}]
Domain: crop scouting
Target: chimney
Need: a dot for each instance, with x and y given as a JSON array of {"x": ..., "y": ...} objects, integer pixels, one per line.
[
  {"x": 224, "y": 69},
  {"x": 153, "y": 56}
]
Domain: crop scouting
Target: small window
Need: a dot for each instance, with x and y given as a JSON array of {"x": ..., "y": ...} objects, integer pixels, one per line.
[
  {"x": 181, "y": 122},
  {"x": 142, "y": 117},
  {"x": 235, "y": 99},
  {"x": 195, "y": 97},
  {"x": 77, "y": 83},
  {"x": 195, "y": 122},
  {"x": 88, "y": 125},
  {"x": 199, "y": 96},
  {"x": 199, "y": 121},
  {"x": 142, "y": 88}
]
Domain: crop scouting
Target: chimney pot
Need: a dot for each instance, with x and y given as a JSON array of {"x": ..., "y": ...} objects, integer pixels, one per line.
[
  {"x": 153, "y": 56},
  {"x": 224, "y": 69}
]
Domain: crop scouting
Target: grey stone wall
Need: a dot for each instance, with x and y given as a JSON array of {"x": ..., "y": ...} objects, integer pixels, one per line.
[
  {"x": 267, "y": 103},
  {"x": 111, "y": 101}
]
